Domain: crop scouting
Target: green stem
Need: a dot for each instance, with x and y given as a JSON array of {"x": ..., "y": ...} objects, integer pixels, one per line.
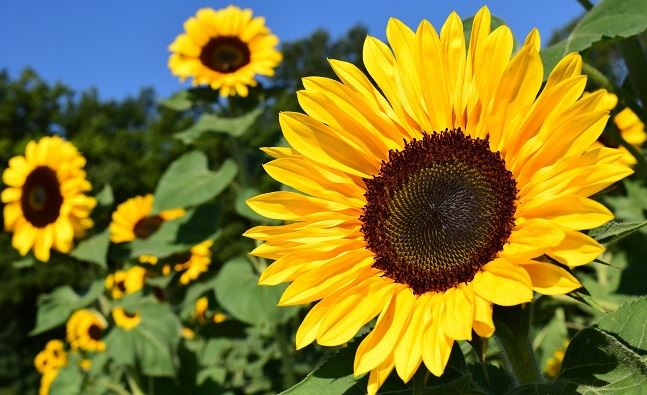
[
  {"x": 286, "y": 356},
  {"x": 512, "y": 333},
  {"x": 420, "y": 382},
  {"x": 134, "y": 384},
  {"x": 238, "y": 153}
]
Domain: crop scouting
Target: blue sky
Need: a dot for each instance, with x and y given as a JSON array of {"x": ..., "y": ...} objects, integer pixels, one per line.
[{"x": 121, "y": 45}]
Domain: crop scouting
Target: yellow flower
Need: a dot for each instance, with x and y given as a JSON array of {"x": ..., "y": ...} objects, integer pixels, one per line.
[
  {"x": 197, "y": 263},
  {"x": 630, "y": 127},
  {"x": 187, "y": 333},
  {"x": 85, "y": 364},
  {"x": 149, "y": 259},
  {"x": 225, "y": 49},
  {"x": 201, "y": 307},
  {"x": 554, "y": 363},
  {"x": 126, "y": 282},
  {"x": 52, "y": 357},
  {"x": 45, "y": 206},
  {"x": 133, "y": 220},
  {"x": 219, "y": 317},
  {"x": 46, "y": 381},
  {"x": 85, "y": 330},
  {"x": 125, "y": 319},
  {"x": 430, "y": 197}
]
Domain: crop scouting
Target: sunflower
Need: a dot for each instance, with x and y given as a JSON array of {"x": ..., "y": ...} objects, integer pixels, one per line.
[
  {"x": 46, "y": 381},
  {"x": 126, "y": 319},
  {"x": 133, "y": 220},
  {"x": 45, "y": 206},
  {"x": 554, "y": 363},
  {"x": 631, "y": 128},
  {"x": 52, "y": 357},
  {"x": 201, "y": 307},
  {"x": 454, "y": 184},
  {"x": 126, "y": 282},
  {"x": 196, "y": 263},
  {"x": 224, "y": 49},
  {"x": 85, "y": 330}
]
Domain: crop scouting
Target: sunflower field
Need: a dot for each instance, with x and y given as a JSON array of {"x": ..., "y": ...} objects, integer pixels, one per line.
[{"x": 457, "y": 209}]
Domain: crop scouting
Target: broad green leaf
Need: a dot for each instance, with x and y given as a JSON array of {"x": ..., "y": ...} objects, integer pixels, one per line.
[
  {"x": 56, "y": 307},
  {"x": 68, "y": 381},
  {"x": 237, "y": 290},
  {"x": 628, "y": 324},
  {"x": 189, "y": 182},
  {"x": 94, "y": 249},
  {"x": 179, "y": 101},
  {"x": 151, "y": 346},
  {"x": 209, "y": 123},
  {"x": 614, "y": 230},
  {"x": 180, "y": 234},
  {"x": 105, "y": 197},
  {"x": 609, "y": 18},
  {"x": 334, "y": 377}
]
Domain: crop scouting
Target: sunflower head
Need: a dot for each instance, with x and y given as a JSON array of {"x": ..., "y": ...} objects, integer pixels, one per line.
[
  {"x": 225, "y": 49},
  {"x": 448, "y": 180},
  {"x": 201, "y": 307},
  {"x": 133, "y": 220},
  {"x": 126, "y": 282},
  {"x": 126, "y": 319},
  {"x": 45, "y": 202},
  {"x": 85, "y": 330},
  {"x": 196, "y": 263},
  {"x": 53, "y": 357}
]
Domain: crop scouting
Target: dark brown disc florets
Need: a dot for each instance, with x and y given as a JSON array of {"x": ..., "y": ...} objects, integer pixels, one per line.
[
  {"x": 439, "y": 210},
  {"x": 225, "y": 54}
]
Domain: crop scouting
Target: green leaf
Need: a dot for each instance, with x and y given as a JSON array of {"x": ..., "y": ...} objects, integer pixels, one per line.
[
  {"x": 209, "y": 123},
  {"x": 334, "y": 377},
  {"x": 615, "y": 230},
  {"x": 189, "y": 182},
  {"x": 237, "y": 290},
  {"x": 180, "y": 234},
  {"x": 68, "y": 381},
  {"x": 151, "y": 346},
  {"x": 56, "y": 307},
  {"x": 179, "y": 101},
  {"x": 609, "y": 18},
  {"x": 25, "y": 262},
  {"x": 628, "y": 324},
  {"x": 94, "y": 249},
  {"x": 105, "y": 197}
]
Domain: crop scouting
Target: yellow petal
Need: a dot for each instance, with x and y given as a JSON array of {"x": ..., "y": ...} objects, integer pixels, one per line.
[
  {"x": 436, "y": 346},
  {"x": 483, "y": 323},
  {"x": 571, "y": 212},
  {"x": 549, "y": 279},
  {"x": 408, "y": 350},
  {"x": 503, "y": 283},
  {"x": 576, "y": 249},
  {"x": 379, "y": 375},
  {"x": 458, "y": 312}
]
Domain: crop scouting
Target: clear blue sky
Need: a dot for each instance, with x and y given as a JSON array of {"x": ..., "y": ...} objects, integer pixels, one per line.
[{"x": 121, "y": 45}]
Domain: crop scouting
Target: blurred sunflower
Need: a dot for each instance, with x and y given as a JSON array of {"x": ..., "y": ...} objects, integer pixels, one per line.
[
  {"x": 133, "y": 220},
  {"x": 52, "y": 357},
  {"x": 201, "y": 307},
  {"x": 46, "y": 381},
  {"x": 452, "y": 185},
  {"x": 124, "y": 282},
  {"x": 85, "y": 330},
  {"x": 126, "y": 319},
  {"x": 631, "y": 128},
  {"x": 45, "y": 206},
  {"x": 554, "y": 363},
  {"x": 225, "y": 49},
  {"x": 196, "y": 263}
]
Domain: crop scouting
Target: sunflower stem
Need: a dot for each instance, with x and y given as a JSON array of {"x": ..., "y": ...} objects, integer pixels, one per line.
[
  {"x": 286, "y": 357},
  {"x": 420, "y": 381},
  {"x": 586, "y": 4},
  {"x": 512, "y": 333}
]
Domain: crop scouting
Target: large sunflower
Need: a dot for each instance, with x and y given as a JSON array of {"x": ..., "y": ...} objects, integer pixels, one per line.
[
  {"x": 133, "y": 220},
  {"x": 45, "y": 205},
  {"x": 225, "y": 49},
  {"x": 454, "y": 184}
]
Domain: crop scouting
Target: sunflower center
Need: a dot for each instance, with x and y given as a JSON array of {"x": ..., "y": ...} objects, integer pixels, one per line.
[
  {"x": 95, "y": 332},
  {"x": 146, "y": 226},
  {"x": 438, "y": 211},
  {"x": 129, "y": 315},
  {"x": 225, "y": 54},
  {"x": 41, "y": 198}
]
